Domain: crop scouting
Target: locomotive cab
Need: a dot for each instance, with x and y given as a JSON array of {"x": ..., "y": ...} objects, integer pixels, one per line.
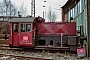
[{"x": 21, "y": 32}]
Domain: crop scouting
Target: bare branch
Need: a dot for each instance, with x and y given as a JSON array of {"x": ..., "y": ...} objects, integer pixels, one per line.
[
  {"x": 23, "y": 10},
  {"x": 7, "y": 8},
  {"x": 51, "y": 15}
]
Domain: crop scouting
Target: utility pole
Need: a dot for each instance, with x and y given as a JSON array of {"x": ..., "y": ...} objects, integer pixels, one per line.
[
  {"x": 45, "y": 10},
  {"x": 43, "y": 14},
  {"x": 33, "y": 8}
]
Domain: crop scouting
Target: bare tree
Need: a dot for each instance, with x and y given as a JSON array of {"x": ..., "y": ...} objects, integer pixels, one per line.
[
  {"x": 54, "y": 17},
  {"x": 4, "y": 28},
  {"x": 12, "y": 9},
  {"x": 51, "y": 15},
  {"x": 6, "y": 5},
  {"x": 7, "y": 8},
  {"x": 22, "y": 10},
  {"x": 1, "y": 9}
]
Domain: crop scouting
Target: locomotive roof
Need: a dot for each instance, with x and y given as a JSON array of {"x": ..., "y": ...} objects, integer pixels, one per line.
[{"x": 22, "y": 19}]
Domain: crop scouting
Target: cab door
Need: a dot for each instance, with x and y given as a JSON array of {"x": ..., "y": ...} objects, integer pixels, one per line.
[
  {"x": 15, "y": 35},
  {"x": 25, "y": 34}
]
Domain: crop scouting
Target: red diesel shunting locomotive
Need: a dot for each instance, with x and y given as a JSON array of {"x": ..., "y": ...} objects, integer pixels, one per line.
[{"x": 36, "y": 33}]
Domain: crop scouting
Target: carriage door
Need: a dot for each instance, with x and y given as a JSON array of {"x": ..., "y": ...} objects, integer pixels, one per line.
[
  {"x": 25, "y": 34},
  {"x": 15, "y": 34}
]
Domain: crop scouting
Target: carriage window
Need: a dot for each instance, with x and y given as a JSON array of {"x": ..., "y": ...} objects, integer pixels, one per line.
[
  {"x": 28, "y": 27},
  {"x": 22, "y": 27},
  {"x": 25, "y": 27},
  {"x": 15, "y": 27}
]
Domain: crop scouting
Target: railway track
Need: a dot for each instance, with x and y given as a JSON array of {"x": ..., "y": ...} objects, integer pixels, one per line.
[
  {"x": 8, "y": 56},
  {"x": 17, "y": 53},
  {"x": 7, "y": 53},
  {"x": 20, "y": 54}
]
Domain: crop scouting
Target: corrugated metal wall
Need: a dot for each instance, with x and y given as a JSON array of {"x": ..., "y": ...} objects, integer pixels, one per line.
[{"x": 81, "y": 20}]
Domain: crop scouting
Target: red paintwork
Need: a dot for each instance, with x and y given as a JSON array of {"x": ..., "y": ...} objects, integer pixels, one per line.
[
  {"x": 39, "y": 27},
  {"x": 60, "y": 28},
  {"x": 56, "y": 28},
  {"x": 71, "y": 28},
  {"x": 10, "y": 37},
  {"x": 25, "y": 39},
  {"x": 18, "y": 38},
  {"x": 45, "y": 28},
  {"x": 81, "y": 51},
  {"x": 15, "y": 37}
]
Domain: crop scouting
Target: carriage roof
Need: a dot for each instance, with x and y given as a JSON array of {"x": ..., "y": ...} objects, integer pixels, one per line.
[{"x": 22, "y": 19}]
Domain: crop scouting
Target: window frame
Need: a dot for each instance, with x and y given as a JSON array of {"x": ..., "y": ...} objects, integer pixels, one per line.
[
  {"x": 25, "y": 25},
  {"x": 15, "y": 29}
]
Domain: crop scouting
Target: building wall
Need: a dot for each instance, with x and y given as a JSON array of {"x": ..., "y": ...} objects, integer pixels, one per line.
[
  {"x": 81, "y": 20},
  {"x": 67, "y": 7},
  {"x": 63, "y": 15},
  {"x": 66, "y": 17},
  {"x": 88, "y": 7},
  {"x": 79, "y": 14}
]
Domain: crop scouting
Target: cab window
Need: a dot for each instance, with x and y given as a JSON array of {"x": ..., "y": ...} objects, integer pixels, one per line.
[
  {"x": 28, "y": 27},
  {"x": 25, "y": 28},
  {"x": 22, "y": 27},
  {"x": 15, "y": 27}
]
